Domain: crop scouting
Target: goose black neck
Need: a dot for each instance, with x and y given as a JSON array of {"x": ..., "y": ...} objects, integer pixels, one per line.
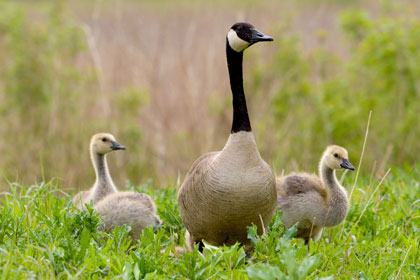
[{"x": 240, "y": 112}]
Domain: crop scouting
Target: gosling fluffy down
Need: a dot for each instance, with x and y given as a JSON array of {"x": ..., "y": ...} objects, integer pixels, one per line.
[
  {"x": 128, "y": 208},
  {"x": 315, "y": 202},
  {"x": 115, "y": 208}
]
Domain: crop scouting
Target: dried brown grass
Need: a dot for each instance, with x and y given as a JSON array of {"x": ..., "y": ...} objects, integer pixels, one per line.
[{"x": 175, "y": 51}]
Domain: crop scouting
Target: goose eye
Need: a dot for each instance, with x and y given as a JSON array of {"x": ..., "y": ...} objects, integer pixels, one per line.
[
  {"x": 335, "y": 155},
  {"x": 104, "y": 139}
]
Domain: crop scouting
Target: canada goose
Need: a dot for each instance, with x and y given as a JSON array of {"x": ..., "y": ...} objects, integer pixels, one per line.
[
  {"x": 100, "y": 145},
  {"x": 312, "y": 201},
  {"x": 225, "y": 192},
  {"x": 115, "y": 208}
]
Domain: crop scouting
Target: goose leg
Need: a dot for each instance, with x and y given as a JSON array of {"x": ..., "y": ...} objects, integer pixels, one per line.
[
  {"x": 190, "y": 241},
  {"x": 200, "y": 246},
  {"x": 308, "y": 244}
]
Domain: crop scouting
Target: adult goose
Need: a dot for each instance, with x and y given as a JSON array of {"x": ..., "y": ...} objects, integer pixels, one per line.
[
  {"x": 315, "y": 202},
  {"x": 225, "y": 192}
]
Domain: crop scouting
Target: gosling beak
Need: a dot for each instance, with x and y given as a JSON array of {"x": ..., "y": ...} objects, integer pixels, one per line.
[
  {"x": 346, "y": 164},
  {"x": 257, "y": 36},
  {"x": 117, "y": 146}
]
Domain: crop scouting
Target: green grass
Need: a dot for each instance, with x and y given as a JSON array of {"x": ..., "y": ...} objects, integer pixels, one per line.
[
  {"x": 62, "y": 80},
  {"x": 42, "y": 236}
]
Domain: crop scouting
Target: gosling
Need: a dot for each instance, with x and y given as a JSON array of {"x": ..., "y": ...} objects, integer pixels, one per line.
[
  {"x": 312, "y": 201},
  {"x": 115, "y": 208}
]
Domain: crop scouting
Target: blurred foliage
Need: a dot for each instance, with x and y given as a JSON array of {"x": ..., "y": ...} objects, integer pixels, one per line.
[
  {"x": 320, "y": 99},
  {"x": 386, "y": 79},
  {"x": 52, "y": 99},
  {"x": 49, "y": 99},
  {"x": 38, "y": 57},
  {"x": 39, "y": 86}
]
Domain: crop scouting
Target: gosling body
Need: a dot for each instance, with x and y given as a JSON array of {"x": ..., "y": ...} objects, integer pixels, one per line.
[
  {"x": 315, "y": 202},
  {"x": 136, "y": 210}
]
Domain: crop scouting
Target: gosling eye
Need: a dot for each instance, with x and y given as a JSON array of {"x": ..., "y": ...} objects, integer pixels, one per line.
[
  {"x": 104, "y": 139},
  {"x": 336, "y": 155}
]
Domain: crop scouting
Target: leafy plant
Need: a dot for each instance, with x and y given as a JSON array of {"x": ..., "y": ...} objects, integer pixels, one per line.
[{"x": 42, "y": 235}]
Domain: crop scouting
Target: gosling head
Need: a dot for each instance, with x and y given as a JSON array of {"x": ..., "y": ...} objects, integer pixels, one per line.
[
  {"x": 103, "y": 143},
  {"x": 242, "y": 35},
  {"x": 336, "y": 157}
]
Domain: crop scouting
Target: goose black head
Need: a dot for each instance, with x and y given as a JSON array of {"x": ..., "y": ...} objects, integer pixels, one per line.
[{"x": 242, "y": 35}]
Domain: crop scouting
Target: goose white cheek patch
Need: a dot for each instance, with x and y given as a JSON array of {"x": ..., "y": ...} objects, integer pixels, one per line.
[{"x": 236, "y": 43}]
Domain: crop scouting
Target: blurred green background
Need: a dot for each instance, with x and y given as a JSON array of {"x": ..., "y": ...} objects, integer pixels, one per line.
[{"x": 154, "y": 74}]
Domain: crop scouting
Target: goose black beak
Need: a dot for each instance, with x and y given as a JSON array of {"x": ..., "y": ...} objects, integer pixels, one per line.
[
  {"x": 257, "y": 36},
  {"x": 117, "y": 146},
  {"x": 346, "y": 164}
]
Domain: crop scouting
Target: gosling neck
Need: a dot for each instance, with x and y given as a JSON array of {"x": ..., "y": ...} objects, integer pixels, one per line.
[
  {"x": 337, "y": 204},
  {"x": 103, "y": 184},
  {"x": 240, "y": 112},
  {"x": 327, "y": 175}
]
